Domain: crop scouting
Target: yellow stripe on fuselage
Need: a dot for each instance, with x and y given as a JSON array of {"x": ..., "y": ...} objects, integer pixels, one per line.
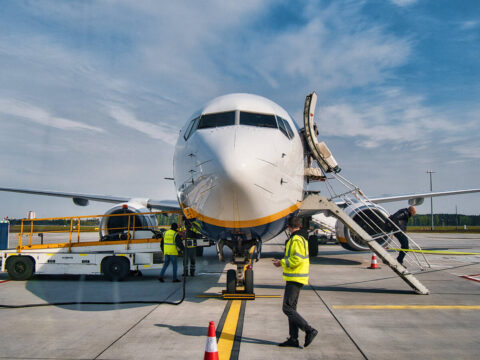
[{"x": 191, "y": 213}]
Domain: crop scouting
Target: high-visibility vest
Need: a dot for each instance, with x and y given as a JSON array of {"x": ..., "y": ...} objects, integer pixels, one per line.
[
  {"x": 194, "y": 227},
  {"x": 169, "y": 246},
  {"x": 296, "y": 263}
]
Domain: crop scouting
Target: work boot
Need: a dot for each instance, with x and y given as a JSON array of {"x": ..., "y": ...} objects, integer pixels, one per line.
[
  {"x": 161, "y": 279},
  {"x": 310, "y": 335},
  {"x": 176, "y": 280},
  {"x": 290, "y": 343},
  {"x": 192, "y": 272}
]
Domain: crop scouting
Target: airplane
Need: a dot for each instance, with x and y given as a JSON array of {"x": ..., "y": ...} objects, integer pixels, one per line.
[{"x": 239, "y": 171}]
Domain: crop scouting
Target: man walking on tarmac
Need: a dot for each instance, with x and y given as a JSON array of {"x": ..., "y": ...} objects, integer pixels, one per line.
[
  {"x": 193, "y": 233},
  {"x": 171, "y": 241},
  {"x": 295, "y": 266},
  {"x": 400, "y": 218}
]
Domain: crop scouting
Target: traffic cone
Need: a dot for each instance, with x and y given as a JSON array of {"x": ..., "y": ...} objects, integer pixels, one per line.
[
  {"x": 374, "y": 264},
  {"x": 211, "y": 352}
]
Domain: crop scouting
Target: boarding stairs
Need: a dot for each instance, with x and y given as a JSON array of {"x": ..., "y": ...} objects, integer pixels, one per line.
[
  {"x": 343, "y": 193},
  {"x": 381, "y": 227}
]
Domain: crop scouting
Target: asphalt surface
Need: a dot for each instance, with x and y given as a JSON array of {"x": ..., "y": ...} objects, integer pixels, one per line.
[{"x": 338, "y": 303}]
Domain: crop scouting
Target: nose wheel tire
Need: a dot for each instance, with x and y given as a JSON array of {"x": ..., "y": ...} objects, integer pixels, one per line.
[
  {"x": 231, "y": 281},
  {"x": 249, "y": 281}
]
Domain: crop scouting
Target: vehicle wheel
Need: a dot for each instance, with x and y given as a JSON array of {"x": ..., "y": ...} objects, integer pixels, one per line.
[
  {"x": 231, "y": 281},
  {"x": 249, "y": 281},
  {"x": 20, "y": 267},
  {"x": 116, "y": 268},
  {"x": 199, "y": 251},
  {"x": 313, "y": 246}
]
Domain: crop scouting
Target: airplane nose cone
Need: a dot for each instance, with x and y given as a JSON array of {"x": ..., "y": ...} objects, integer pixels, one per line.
[
  {"x": 242, "y": 165},
  {"x": 238, "y": 174}
]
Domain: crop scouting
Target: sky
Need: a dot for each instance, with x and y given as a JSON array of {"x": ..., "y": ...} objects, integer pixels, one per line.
[{"x": 93, "y": 93}]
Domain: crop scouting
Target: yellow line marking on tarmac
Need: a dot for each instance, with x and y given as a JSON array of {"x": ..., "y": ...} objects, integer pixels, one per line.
[
  {"x": 439, "y": 252},
  {"x": 225, "y": 342},
  {"x": 408, "y": 307},
  {"x": 218, "y": 296}
]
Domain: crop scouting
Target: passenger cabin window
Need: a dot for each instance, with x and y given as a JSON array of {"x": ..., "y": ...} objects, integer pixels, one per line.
[
  {"x": 260, "y": 120},
  {"x": 190, "y": 128},
  {"x": 285, "y": 127},
  {"x": 217, "y": 120}
]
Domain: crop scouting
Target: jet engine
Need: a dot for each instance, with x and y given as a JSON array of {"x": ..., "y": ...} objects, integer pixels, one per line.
[
  {"x": 115, "y": 226},
  {"x": 371, "y": 217}
]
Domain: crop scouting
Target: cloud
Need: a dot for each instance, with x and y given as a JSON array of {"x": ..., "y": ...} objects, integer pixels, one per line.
[
  {"x": 403, "y": 3},
  {"x": 16, "y": 108},
  {"x": 389, "y": 116},
  {"x": 469, "y": 25},
  {"x": 471, "y": 150},
  {"x": 334, "y": 49},
  {"x": 160, "y": 131}
]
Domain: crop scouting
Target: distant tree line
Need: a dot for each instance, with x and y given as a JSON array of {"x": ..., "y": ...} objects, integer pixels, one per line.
[
  {"x": 444, "y": 220},
  {"x": 167, "y": 219},
  {"x": 86, "y": 222},
  {"x": 163, "y": 219}
]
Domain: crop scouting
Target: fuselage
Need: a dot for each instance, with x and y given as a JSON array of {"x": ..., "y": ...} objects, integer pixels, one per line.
[{"x": 238, "y": 167}]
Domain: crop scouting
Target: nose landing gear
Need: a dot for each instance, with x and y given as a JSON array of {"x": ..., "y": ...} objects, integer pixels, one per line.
[{"x": 240, "y": 283}]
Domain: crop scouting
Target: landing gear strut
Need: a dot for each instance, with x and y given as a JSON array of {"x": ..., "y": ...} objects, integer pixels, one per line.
[{"x": 240, "y": 283}]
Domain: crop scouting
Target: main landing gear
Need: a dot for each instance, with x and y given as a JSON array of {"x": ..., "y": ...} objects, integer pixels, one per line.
[{"x": 240, "y": 283}]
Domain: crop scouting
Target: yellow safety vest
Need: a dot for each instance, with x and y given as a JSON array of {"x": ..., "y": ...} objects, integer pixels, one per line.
[
  {"x": 296, "y": 263},
  {"x": 169, "y": 246},
  {"x": 192, "y": 243},
  {"x": 196, "y": 227}
]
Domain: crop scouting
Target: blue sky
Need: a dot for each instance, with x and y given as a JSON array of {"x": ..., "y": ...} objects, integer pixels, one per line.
[{"x": 93, "y": 93}]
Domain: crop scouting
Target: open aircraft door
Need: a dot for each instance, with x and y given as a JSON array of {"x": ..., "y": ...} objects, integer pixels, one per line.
[{"x": 318, "y": 150}]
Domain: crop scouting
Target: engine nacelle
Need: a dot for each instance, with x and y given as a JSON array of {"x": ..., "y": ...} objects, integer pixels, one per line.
[
  {"x": 112, "y": 225},
  {"x": 371, "y": 218}
]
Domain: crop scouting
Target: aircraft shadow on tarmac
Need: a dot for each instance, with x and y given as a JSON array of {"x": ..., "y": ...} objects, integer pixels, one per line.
[
  {"x": 202, "y": 330},
  {"x": 79, "y": 289},
  {"x": 321, "y": 260},
  {"x": 146, "y": 289}
]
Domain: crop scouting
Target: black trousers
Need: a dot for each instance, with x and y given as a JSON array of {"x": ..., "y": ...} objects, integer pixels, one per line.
[
  {"x": 295, "y": 320},
  {"x": 402, "y": 238},
  {"x": 191, "y": 254}
]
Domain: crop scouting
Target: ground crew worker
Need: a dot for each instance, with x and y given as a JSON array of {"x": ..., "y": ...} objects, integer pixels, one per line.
[
  {"x": 295, "y": 266},
  {"x": 171, "y": 241},
  {"x": 400, "y": 218},
  {"x": 192, "y": 234}
]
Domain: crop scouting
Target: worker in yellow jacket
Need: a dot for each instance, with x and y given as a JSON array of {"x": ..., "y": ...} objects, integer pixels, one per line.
[
  {"x": 295, "y": 265},
  {"x": 171, "y": 243}
]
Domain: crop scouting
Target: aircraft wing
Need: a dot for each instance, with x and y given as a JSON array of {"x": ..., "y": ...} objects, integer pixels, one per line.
[
  {"x": 417, "y": 199},
  {"x": 413, "y": 199},
  {"x": 83, "y": 199}
]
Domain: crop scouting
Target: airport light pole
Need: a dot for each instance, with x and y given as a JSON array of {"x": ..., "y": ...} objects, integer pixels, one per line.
[
  {"x": 456, "y": 218},
  {"x": 430, "y": 172}
]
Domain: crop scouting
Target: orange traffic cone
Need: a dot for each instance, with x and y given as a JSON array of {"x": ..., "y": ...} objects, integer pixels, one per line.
[
  {"x": 374, "y": 264},
  {"x": 211, "y": 352}
]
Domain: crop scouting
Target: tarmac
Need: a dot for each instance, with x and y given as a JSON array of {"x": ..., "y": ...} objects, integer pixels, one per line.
[{"x": 359, "y": 313}]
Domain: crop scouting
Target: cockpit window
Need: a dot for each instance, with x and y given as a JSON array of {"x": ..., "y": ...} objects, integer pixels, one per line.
[
  {"x": 285, "y": 127},
  {"x": 281, "y": 125},
  {"x": 217, "y": 120},
  {"x": 260, "y": 120},
  {"x": 190, "y": 128},
  {"x": 289, "y": 129}
]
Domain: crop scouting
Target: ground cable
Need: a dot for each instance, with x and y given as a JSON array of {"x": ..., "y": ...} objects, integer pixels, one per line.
[{"x": 339, "y": 323}]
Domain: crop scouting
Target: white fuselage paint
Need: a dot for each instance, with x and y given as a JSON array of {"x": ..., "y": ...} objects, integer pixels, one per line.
[{"x": 239, "y": 176}]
